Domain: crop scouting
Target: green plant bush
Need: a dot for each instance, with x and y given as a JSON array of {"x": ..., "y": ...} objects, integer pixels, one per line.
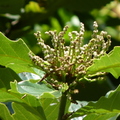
[
  {"x": 69, "y": 75},
  {"x": 49, "y": 95}
]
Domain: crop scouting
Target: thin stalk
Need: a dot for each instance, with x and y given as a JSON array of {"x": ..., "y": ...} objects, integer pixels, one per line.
[{"x": 62, "y": 106}]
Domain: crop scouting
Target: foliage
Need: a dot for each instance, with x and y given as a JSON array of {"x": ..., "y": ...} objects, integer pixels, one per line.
[
  {"x": 111, "y": 67},
  {"x": 30, "y": 97},
  {"x": 43, "y": 90}
]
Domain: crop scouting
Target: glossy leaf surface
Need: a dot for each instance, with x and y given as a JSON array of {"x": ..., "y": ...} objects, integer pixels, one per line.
[
  {"x": 107, "y": 63},
  {"x": 36, "y": 89},
  {"x": 14, "y": 54}
]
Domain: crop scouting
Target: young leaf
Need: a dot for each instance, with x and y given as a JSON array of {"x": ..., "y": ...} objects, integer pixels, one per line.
[
  {"x": 103, "y": 109},
  {"x": 14, "y": 54},
  {"x": 107, "y": 63}
]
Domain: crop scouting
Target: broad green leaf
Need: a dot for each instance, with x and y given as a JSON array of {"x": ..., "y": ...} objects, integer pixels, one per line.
[
  {"x": 8, "y": 97},
  {"x": 14, "y": 96},
  {"x": 7, "y": 75},
  {"x": 28, "y": 101},
  {"x": 25, "y": 112},
  {"x": 11, "y": 6},
  {"x": 107, "y": 63},
  {"x": 44, "y": 108},
  {"x": 104, "y": 116},
  {"x": 51, "y": 108},
  {"x": 103, "y": 109},
  {"x": 33, "y": 103},
  {"x": 49, "y": 102},
  {"x": 14, "y": 54},
  {"x": 36, "y": 89},
  {"x": 28, "y": 107},
  {"x": 31, "y": 76},
  {"x": 4, "y": 113}
]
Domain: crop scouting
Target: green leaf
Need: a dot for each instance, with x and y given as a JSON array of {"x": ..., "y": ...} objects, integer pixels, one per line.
[
  {"x": 25, "y": 104},
  {"x": 25, "y": 112},
  {"x": 32, "y": 7},
  {"x": 29, "y": 107},
  {"x": 11, "y": 6},
  {"x": 33, "y": 77},
  {"x": 7, "y": 75},
  {"x": 51, "y": 108},
  {"x": 104, "y": 116},
  {"x": 14, "y": 54},
  {"x": 103, "y": 109},
  {"x": 107, "y": 63},
  {"x": 46, "y": 98},
  {"x": 29, "y": 76},
  {"x": 8, "y": 97},
  {"x": 4, "y": 113},
  {"x": 36, "y": 89}
]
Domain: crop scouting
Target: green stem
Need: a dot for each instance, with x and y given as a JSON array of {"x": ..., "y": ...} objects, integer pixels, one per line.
[{"x": 62, "y": 106}]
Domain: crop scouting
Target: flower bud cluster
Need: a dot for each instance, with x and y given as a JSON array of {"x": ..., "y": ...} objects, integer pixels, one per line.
[{"x": 68, "y": 64}]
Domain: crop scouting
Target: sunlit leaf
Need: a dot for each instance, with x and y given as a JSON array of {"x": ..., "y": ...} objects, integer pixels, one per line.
[
  {"x": 14, "y": 54},
  {"x": 30, "y": 107},
  {"x": 29, "y": 76},
  {"x": 107, "y": 63},
  {"x": 26, "y": 104},
  {"x": 36, "y": 89},
  {"x": 8, "y": 97},
  {"x": 51, "y": 108}
]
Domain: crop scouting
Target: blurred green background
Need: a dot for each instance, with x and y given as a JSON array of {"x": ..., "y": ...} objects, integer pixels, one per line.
[{"x": 22, "y": 18}]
